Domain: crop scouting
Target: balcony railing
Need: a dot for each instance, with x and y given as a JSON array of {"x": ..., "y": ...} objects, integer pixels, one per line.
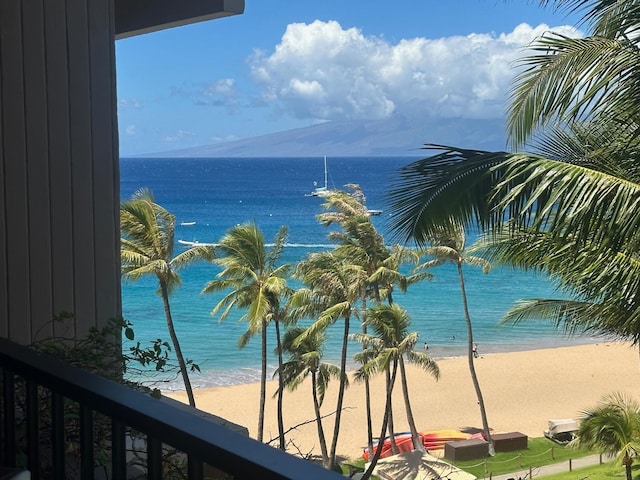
[{"x": 202, "y": 441}]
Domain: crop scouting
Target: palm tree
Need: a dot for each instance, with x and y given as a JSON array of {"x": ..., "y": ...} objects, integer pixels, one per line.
[
  {"x": 333, "y": 288},
  {"x": 256, "y": 284},
  {"x": 449, "y": 246},
  {"x": 576, "y": 195},
  {"x": 359, "y": 242},
  {"x": 146, "y": 248},
  {"x": 280, "y": 315},
  {"x": 391, "y": 342},
  {"x": 305, "y": 358},
  {"x": 569, "y": 79},
  {"x": 366, "y": 357},
  {"x": 613, "y": 427}
]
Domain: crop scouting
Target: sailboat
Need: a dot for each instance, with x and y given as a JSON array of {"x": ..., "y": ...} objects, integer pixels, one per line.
[{"x": 324, "y": 190}]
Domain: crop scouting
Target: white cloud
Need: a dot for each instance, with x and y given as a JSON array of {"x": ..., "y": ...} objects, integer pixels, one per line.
[
  {"x": 130, "y": 130},
  {"x": 321, "y": 71},
  {"x": 223, "y": 138},
  {"x": 128, "y": 103},
  {"x": 179, "y": 136}
]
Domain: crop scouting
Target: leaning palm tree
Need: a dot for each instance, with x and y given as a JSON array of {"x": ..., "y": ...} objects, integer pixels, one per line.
[
  {"x": 146, "y": 248},
  {"x": 448, "y": 246},
  {"x": 250, "y": 270},
  {"x": 613, "y": 427},
  {"x": 305, "y": 358}
]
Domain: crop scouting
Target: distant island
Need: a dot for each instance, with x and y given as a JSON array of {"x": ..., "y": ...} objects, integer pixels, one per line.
[{"x": 395, "y": 137}]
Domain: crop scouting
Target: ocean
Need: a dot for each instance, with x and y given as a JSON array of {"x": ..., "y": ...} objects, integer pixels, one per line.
[{"x": 209, "y": 196}]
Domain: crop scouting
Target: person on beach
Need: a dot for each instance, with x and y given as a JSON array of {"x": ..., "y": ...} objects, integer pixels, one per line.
[
  {"x": 475, "y": 350},
  {"x": 426, "y": 346}
]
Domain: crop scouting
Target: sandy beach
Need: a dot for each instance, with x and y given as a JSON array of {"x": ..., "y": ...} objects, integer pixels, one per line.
[{"x": 521, "y": 390}]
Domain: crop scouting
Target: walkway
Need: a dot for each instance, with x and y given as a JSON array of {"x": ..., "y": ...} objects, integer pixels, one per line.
[{"x": 552, "y": 468}]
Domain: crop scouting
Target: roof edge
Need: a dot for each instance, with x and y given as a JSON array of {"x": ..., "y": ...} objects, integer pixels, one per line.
[{"x": 137, "y": 17}]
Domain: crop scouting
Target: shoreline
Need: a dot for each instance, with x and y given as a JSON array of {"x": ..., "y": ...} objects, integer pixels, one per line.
[
  {"x": 227, "y": 377},
  {"x": 522, "y": 390}
]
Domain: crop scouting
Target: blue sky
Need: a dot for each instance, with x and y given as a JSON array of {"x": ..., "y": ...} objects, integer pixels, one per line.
[{"x": 286, "y": 64}]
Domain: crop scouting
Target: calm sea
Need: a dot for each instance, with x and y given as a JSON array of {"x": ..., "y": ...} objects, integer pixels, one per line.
[{"x": 209, "y": 196}]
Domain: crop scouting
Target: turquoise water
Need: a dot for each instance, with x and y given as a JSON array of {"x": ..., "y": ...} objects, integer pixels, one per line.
[{"x": 209, "y": 196}]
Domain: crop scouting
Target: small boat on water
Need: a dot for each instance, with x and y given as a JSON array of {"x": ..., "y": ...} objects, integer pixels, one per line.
[
  {"x": 188, "y": 243},
  {"x": 187, "y": 224},
  {"x": 324, "y": 190},
  {"x": 195, "y": 243},
  {"x": 373, "y": 211}
]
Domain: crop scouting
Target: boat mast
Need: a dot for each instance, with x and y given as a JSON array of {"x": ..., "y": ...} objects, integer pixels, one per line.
[{"x": 325, "y": 172}]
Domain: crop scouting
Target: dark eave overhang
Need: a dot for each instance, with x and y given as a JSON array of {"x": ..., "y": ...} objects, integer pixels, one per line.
[{"x": 135, "y": 17}]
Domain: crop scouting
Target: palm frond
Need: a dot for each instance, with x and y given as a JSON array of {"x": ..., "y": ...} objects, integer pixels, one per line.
[
  {"x": 454, "y": 183},
  {"x": 569, "y": 79}
]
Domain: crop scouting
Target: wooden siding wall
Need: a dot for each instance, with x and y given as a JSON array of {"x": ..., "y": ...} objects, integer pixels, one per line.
[{"x": 59, "y": 178}]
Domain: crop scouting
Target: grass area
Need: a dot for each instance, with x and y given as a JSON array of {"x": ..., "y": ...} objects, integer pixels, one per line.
[{"x": 540, "y": 451}]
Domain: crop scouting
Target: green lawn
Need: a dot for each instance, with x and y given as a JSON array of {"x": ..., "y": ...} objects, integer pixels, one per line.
[
  {"x": 540, "y": 451},
  {"x": 606, "y": 471}
]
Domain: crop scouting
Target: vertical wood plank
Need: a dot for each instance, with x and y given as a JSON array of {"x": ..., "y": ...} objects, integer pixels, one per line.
[
  {"x": 105, "y": 158},
  {"x": 81, "y": 167},
  {"x": 4, "y": 274},
  {"x": 59, "y": 121},
  {"x": 59, "y": 189},
  {"x": 37, "y": 169},
  {"x": 15, "y": 171}
]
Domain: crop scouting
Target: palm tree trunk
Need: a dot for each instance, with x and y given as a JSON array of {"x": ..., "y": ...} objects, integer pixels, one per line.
[
  {"x": 387, "y": 408},
  {"x": 263, "y": 381},
  {"x": 176, "y": 345},
  {"x": 367, "y": 388},
  {"x": 627, "y": 469},
  {"x": 280, "y": 388},
  {"x": 390, "y": 426},
  {"x": 343, "y": 378},
  {"x": 415, "y": 437},
  {"x": 316, "y": 409},
  {"x": 470, "y": 361}
]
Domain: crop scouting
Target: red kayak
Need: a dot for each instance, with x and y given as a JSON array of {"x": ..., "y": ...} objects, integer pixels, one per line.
[{"x": 432, "y": 440}]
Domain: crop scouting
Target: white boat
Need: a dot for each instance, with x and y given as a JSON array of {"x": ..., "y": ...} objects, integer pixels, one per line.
[
  {"x": 187, "y": 224},
  {"x": 324, "y": 190},
  {"x": 373, "y": 211},
  {"x": 196, "y": 243}
]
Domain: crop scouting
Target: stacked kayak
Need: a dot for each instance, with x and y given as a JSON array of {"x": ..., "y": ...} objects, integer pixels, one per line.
[
  {"x": 435, "y": 440},
  {"x": 432, "y": 440}
]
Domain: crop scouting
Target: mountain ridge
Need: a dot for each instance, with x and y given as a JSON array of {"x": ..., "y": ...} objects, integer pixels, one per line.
[{"x": 397, "y": 136}]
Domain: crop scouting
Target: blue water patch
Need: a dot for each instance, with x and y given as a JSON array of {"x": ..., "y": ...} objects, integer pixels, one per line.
[{"x": 209, "y": 196}]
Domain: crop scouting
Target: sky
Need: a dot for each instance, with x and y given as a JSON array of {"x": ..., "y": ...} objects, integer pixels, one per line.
[{"x": 286, "y": 64}]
